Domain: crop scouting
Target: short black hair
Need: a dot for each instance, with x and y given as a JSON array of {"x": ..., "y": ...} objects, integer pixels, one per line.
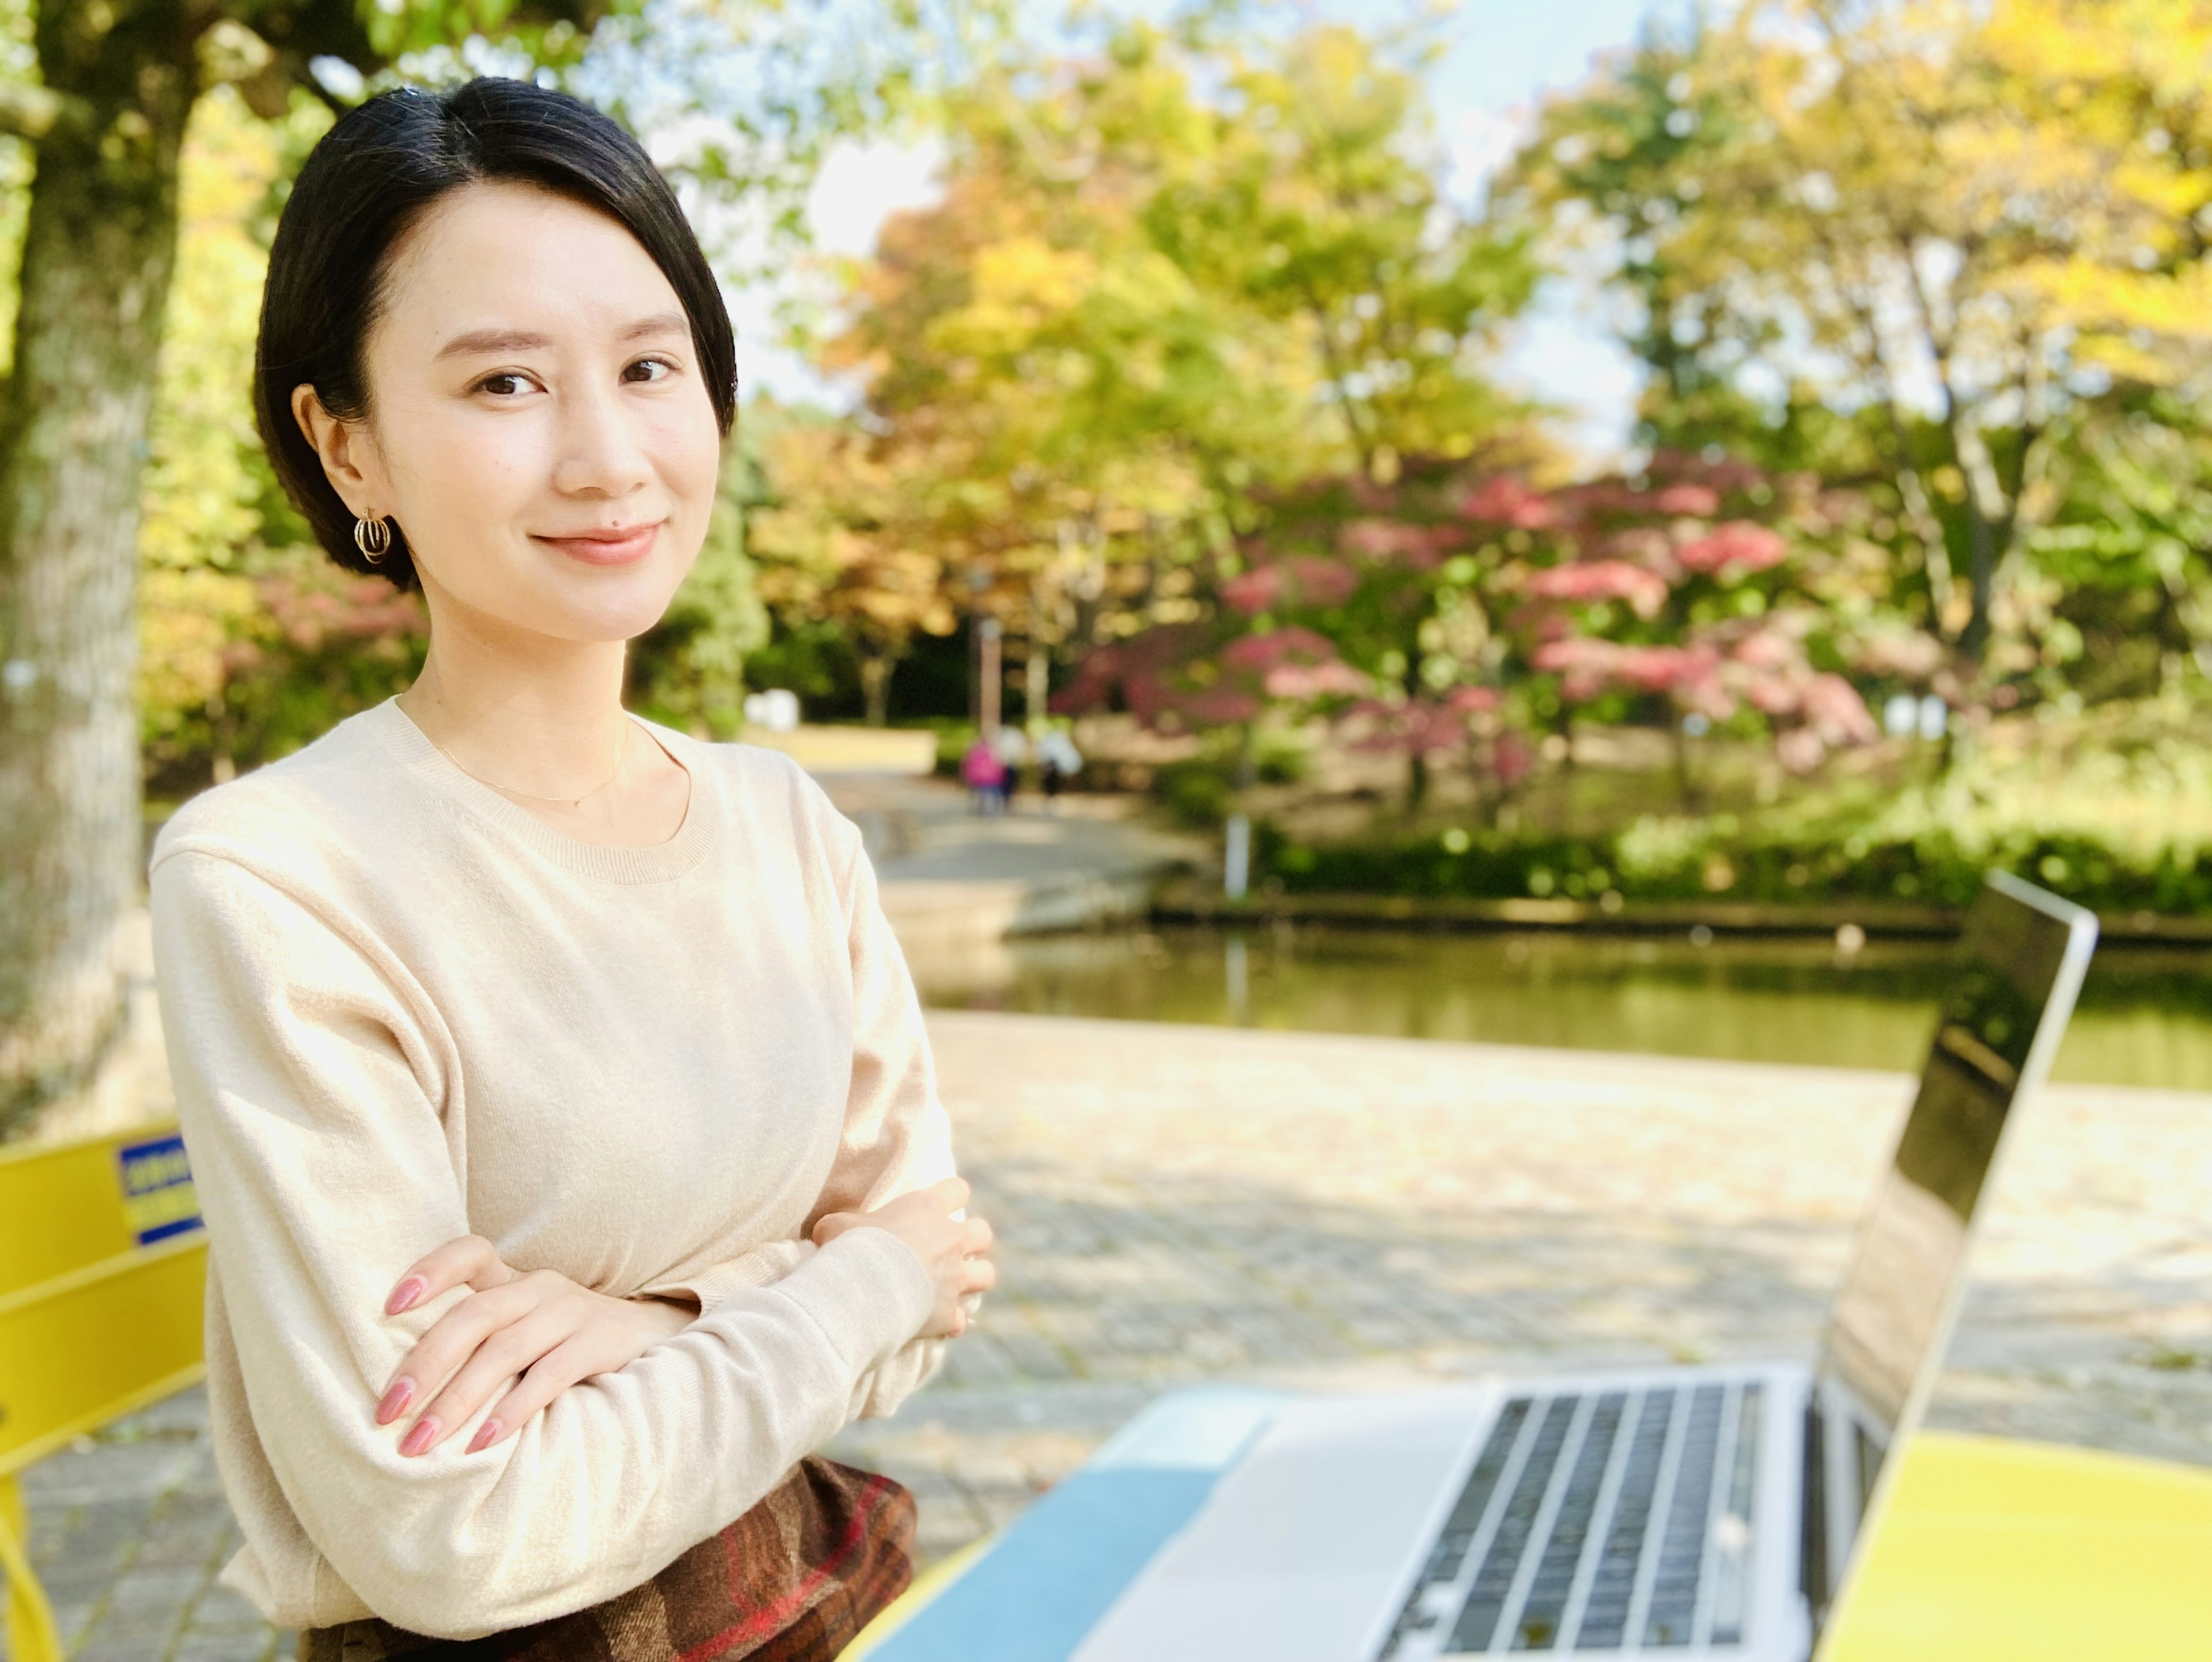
[{"x": 369, "y": 179}]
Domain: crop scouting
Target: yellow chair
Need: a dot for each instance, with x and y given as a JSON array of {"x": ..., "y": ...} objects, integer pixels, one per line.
[{"x": 103, "y": 1266}]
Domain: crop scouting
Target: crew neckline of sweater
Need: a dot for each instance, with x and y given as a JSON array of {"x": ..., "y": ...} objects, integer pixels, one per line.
[{"x": 656, "y": 862}]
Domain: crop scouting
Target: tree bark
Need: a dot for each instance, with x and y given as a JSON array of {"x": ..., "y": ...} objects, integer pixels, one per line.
[
  {"x": 875, "y": 687},
  {"x": 1036, "y": 680},
  {"x": 98, "y": 251}
]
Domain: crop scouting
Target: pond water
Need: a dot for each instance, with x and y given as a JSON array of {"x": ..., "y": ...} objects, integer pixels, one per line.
[{"x": 2145, "y": 1016}]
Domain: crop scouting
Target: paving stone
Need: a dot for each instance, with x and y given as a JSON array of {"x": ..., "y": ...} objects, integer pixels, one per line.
[{"x": 220, "y": 1647}]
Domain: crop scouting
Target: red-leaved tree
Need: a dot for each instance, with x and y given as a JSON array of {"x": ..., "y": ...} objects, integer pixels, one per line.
[{"x": 1464, "y": 611}]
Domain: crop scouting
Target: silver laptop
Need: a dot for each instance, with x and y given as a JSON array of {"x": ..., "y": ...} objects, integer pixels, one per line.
[{"x": 1683, "y": 1512}]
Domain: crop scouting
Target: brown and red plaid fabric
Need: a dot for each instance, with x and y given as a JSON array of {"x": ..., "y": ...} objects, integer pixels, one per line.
[{"x": 793, "y": 1580}]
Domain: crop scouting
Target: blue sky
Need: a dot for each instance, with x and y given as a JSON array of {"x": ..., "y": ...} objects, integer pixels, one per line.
[
  {"x": 1500, "y": 57},
  {"x": 1505, "y": 52}
]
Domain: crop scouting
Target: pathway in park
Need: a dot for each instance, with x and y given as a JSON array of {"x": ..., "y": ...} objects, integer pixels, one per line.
[
  {"x": 1180, "y": 1203},
  {"x": 950, "y": 878}
]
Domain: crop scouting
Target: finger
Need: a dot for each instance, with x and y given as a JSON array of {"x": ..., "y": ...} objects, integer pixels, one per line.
[
  {"x": 508, "y": 1353},
  {"x": 976, "y": 1236},
  {"x": 950, "y": 1193},
  {"x": 569, "y": 1363},
  {"x": 982, "y": 1275},
  {"x": 835, "y": 1223},
  {"x": 463, "y": 1262},
  {"x": 451, "y": 1340}
]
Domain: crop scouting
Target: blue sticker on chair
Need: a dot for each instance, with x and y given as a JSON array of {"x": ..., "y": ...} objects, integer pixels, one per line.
[
  {"x": 1062, "y": 1565},
  {"x": 159, "y": 1199}
]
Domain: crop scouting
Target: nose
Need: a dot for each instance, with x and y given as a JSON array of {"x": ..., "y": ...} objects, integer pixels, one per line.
[{"x": 600, "y": 453}]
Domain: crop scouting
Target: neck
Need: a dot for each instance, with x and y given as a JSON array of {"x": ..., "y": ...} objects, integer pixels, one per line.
[{"x": 536, "y": 715}]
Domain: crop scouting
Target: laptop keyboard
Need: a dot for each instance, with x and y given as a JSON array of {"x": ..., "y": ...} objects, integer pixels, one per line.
[{"x": 1606, "y": 1520}]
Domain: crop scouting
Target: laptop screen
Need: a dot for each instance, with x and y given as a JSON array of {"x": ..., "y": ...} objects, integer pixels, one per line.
[{"x": 2019, "y": 966}]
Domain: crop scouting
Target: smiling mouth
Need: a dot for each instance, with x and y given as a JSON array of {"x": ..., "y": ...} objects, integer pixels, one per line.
[{"x": 622, "y": 545}]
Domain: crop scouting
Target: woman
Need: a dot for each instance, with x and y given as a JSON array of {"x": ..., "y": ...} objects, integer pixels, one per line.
[{"x": 559, "y": 1101}]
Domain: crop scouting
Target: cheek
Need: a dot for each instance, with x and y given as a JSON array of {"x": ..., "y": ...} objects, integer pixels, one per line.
[
  {"x": 456, "y": 466},
  {"x": 688, "y": 447}
]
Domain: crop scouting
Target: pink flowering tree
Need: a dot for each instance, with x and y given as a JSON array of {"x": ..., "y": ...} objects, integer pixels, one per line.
[
  {"x": 1181, "y": 678},
  {"x": 1465, "y": 613},
  {"x": 1694, "y": 594}
]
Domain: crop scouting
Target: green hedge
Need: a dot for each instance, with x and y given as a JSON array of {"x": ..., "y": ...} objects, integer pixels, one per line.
[{"x": 1674, "y": 862}]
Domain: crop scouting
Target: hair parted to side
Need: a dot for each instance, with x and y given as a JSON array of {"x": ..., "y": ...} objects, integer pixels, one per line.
[{"x": 366, "y": 183}]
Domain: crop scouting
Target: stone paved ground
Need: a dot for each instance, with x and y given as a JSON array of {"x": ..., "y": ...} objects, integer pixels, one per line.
[
  {"x": 127, "y": 1533},
  {"x": 1179, "y": 1203}
]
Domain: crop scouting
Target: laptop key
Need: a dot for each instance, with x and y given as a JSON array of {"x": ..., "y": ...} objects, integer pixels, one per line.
[
  {"x": 1538, "y": 1627},
  {"x": 1617, "y": 1522},
  {"x": 1435, "y": 1595},
  {"x": 1732, "y": 1538},
  {"x": 1493, "y": 1582},
  {"x": 1682, "y": 1548},
  {"x": 1612, "y": 1589}
]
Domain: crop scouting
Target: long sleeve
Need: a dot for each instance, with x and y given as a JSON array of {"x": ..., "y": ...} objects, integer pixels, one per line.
[
  {"x": 896, "y": 1137},
  {"x": 316, "y": 1086}
]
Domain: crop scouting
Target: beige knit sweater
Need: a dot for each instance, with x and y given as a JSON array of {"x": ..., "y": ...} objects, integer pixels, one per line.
[{"x": 401, "y": 1009}]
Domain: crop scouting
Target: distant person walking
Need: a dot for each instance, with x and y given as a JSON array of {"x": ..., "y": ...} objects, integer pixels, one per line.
[
  {"x": 1058, "y": 760},
  {"x": 985, "y": 776},
  {"x": 1013, "y": 748}
]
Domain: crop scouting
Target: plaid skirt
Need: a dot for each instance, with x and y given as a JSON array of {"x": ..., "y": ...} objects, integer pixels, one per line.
[{"x": 793, "y": 1580}]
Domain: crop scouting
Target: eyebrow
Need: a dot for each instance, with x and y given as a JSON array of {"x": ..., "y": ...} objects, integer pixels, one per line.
[
  {"x": 660, "y": 323},
  {"x": 491, "y": 340},
  {"x": 480, "y": 341}
]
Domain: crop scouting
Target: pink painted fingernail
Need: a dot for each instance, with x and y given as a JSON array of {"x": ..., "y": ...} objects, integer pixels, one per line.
[
  {"x": 419, "y": 1440},
  {"x": 403, "y": 1295},
  {"x": 487, "y": 1435},
  {"x": 395, "y": 1400}
]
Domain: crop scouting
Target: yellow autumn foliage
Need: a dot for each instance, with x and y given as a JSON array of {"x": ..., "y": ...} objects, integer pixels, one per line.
[{"x": 199, "y": 501}]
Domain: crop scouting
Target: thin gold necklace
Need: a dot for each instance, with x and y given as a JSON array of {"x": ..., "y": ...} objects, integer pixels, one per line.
[{"x": 565, "y": 801}]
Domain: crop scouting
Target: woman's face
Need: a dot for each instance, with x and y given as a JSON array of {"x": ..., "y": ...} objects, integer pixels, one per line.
[{"x": 538, "y": 422}]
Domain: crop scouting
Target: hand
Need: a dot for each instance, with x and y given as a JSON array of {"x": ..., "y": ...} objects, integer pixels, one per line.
[
  {"x": 540, "y": 1324},
  {"x": 950, "y": 1248}
]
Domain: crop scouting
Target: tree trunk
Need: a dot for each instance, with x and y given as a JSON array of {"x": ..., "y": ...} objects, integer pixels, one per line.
[
  {"x": 97, "y": 256},
  {"x": 1686, "y": 771},
  {"x": 1417, "y": 781},
  {"x": 1036, "y": 681},
  {"x": 875, "y": 687}
]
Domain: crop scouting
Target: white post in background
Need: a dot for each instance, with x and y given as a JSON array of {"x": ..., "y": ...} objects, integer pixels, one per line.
[{"x": 1237, "y": 857}]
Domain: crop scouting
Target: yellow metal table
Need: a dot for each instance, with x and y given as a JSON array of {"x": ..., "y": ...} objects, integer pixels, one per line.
[{"x": 1999, "y": 1551}]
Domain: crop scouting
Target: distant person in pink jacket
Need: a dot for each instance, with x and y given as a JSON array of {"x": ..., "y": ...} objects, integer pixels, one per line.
[{"x": 985, "y": 776}]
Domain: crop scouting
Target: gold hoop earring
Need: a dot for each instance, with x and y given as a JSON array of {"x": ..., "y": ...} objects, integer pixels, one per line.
[{"x": 373, "y": 537}]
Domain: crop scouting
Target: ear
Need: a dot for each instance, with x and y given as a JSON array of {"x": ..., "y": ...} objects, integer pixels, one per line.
[{"x": 349, "y": 459}]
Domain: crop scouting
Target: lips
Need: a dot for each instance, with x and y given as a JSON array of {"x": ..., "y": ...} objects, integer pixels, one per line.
[{"x": 612, "y": 546}]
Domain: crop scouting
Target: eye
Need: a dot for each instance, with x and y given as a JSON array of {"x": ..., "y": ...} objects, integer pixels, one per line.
[
  {"x": 649, "y": 369},
  {"x": 506, "y": 384}
]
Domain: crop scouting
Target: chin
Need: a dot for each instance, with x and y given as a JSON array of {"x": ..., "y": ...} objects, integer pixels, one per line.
[
  {"x": 614, "y": 617},
  {"x": 604, "y": 605}
]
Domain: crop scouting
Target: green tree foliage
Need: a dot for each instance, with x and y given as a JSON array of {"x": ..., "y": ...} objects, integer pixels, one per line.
[
  {"x": 1317, "y": 203},
  {"x": 690, "y": 669},
  {"x": 1939, "y": 249},
  {"x": 1163, "y": 277}
]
